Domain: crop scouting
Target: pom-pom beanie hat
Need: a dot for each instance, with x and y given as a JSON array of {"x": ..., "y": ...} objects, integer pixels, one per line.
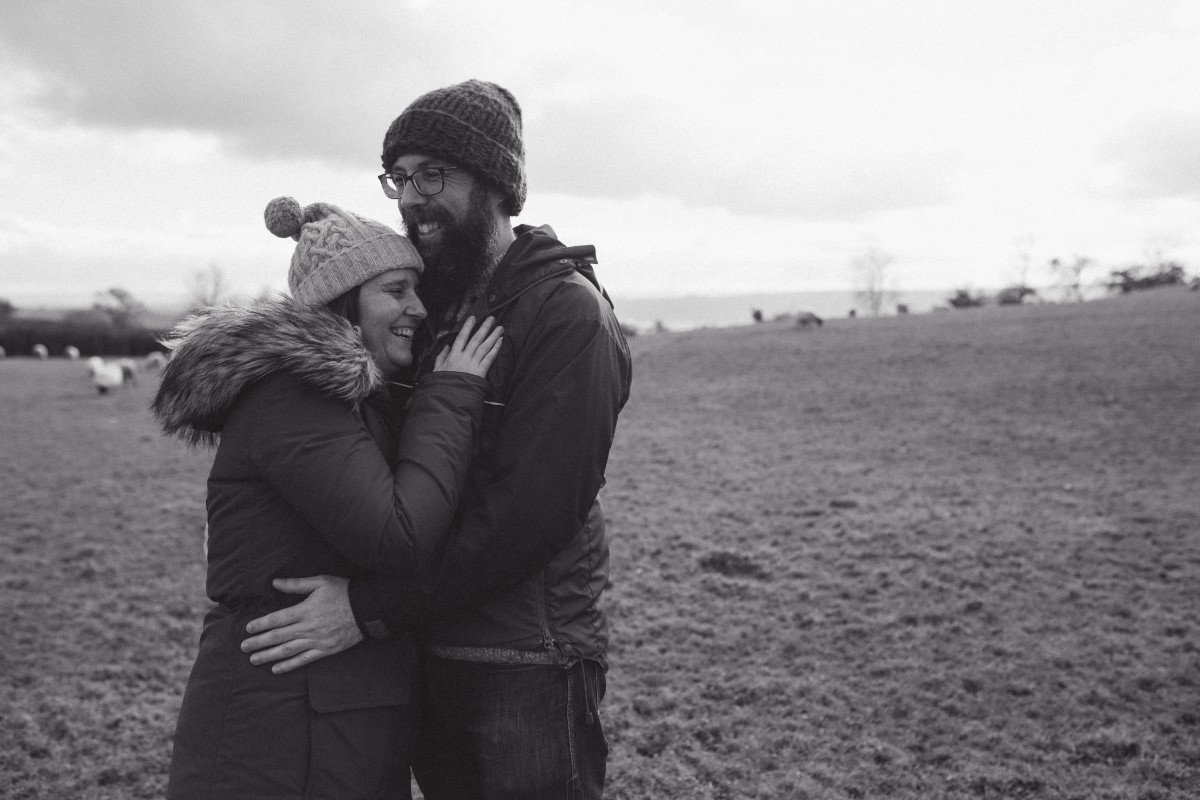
[
  {"x": 474, "y": 124},
  {"x": 337, "y": 250}
]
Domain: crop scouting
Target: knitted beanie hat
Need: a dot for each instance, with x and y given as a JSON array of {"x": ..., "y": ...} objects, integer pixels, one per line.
[
  {"x": 337, "y": 250},
  {"x": 474, "y": 124}
]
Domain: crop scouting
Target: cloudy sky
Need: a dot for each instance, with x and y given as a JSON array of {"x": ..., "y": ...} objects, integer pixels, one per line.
[{"x": 703, "y": 147}]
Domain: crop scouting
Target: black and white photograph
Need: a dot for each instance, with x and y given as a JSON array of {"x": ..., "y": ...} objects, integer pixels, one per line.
[{"x": 412, "y": 400}]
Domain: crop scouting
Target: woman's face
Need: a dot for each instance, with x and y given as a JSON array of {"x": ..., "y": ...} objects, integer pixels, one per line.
[{"x": 389, "y": 312}]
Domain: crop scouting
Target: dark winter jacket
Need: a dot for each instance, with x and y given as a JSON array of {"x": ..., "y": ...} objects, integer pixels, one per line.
[
  {"x": 309, "y": 478},
  {"x": 523, "y": 567}
]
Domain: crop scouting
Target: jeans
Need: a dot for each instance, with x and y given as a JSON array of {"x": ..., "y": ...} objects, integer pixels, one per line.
[{"x": 491, "y": 731}]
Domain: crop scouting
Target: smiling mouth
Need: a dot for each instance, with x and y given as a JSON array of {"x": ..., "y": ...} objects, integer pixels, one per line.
[
  {"x": 402, "y": 333},
  {"x": 428, "y": 228}
]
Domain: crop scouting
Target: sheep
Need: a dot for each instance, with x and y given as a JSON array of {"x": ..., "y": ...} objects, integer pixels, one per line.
[
  {"x": 106, "y": 376},
  {"x": 155, "y": 361},
  {"x": 71, "y": 352},
  {"x": 40, "y": 351},
  {"x": 3, "y": 353},
  {"x": 806, "y": 318},
  {"x": 128, "y": 369}
]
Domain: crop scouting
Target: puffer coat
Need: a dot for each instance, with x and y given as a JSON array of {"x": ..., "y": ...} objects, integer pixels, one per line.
[{"x": 309, "y": 478}]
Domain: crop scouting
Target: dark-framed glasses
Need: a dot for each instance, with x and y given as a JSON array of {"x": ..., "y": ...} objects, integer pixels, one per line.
[{"x": 428, "y": 181}]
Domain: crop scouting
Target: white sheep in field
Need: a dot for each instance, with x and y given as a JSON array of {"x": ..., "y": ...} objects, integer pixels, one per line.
[
  {"x": 110, "y": 375},
  {"x": 71, "y": 352},
  {"x": 40, "y": 351}
]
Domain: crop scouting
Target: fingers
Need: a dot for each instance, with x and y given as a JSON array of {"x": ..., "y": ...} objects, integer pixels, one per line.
[
  {"x": 287, "y": 649},
  {"x": 464, "y": 334},
  {"x": 469, "y": 341},
  {"x": 490, "y": 347},
  {"x": 480, "y": 335},
  {"x": 285, "y": 616},
  {"x": 474, "y": 349},
  {"x": 274, "y": 620},
  {"x": 299, "y": 585},
  {"x": 297, "y": 653},
  {"x": 273, "y": 635},
  {"x": 301, "y": 660}
]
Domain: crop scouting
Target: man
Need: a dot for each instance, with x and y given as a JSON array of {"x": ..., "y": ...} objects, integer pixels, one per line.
[{"x": 515, "y": 637}]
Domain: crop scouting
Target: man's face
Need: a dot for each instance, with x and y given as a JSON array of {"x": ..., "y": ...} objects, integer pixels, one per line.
[{"x": 454, "y": 230}]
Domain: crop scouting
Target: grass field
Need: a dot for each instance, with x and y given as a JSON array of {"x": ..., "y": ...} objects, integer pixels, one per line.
[{"x": 952, "y": 555}]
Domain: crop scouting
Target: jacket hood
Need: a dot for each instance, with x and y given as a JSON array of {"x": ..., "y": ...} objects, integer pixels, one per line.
[
  {"x": 217, "y": 352},
  {"x": 536, "y": 254}
]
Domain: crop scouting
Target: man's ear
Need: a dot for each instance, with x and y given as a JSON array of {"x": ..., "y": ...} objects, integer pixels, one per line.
[{"x": 498, "y": 202}]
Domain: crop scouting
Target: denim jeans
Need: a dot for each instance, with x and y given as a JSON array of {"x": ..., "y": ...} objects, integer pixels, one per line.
[{"x": 491, "y": 731}]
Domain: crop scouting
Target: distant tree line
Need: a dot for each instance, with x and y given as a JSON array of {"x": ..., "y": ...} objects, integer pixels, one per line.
[
  {"x": 1070, "y": 280},
  {"x": 1139, "y": 277},
  {"x": 111, "y": 327}
]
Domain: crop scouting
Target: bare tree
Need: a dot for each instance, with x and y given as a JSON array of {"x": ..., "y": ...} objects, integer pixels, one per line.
[
  {"x": 1158, "y": 248},
  {"x": 208, "y": 287},
  {"x": 871, "y": 279},
  {"x": 122, "y": 310},
  {"x": 1069, "y": 275},
  {"x": 1023, "y": 262}
]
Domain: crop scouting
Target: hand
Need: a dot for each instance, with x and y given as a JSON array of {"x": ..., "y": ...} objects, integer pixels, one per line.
[
  {"x": 321, "y": 625},
  {"x": 472, "y": 354}
]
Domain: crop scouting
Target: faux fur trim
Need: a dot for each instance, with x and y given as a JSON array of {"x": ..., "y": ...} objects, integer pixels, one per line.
[{"x": 217, "y": 352}]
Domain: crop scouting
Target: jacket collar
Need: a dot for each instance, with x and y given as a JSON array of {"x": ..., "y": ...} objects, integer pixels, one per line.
[
  {"x": 535, "y": 256},
  {"x": 217, "y": 352}
]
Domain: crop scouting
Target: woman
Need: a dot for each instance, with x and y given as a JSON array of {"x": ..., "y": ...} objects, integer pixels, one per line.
[{"x": 311, "y": 477}]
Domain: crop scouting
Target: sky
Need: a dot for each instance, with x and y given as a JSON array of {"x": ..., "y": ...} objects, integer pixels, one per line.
[{"x": 704, "y": 148}]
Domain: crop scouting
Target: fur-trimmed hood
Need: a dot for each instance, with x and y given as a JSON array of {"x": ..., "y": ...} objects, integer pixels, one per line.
[{"x": 217, "y": 352}]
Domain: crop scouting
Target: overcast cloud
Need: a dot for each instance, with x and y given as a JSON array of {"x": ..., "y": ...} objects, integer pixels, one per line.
[{"x": 940, "y": 131}]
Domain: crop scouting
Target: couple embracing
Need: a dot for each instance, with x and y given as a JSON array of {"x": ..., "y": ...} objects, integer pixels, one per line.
[{"x": 406, "y": 550}]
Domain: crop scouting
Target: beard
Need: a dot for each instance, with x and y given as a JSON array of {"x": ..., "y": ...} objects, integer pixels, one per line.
[{"x": 464, "y": 254}]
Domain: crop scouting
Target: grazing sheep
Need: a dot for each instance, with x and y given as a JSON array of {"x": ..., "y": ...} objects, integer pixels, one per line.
[
  {"x": 128, "y": 369},
  {"x": 40, "y": 351},
  {"x": 71, "y": 352},
  {"x": 806, "y": 318},
  {"x": 106, "y": 375},
  {"x": 155, "y": 361}
]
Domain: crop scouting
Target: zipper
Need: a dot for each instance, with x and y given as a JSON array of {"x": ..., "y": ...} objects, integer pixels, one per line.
[{"x": 548, "y": 640}]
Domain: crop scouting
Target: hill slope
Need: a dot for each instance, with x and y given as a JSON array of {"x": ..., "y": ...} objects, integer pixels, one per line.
[{"x": 950, "y": 555}]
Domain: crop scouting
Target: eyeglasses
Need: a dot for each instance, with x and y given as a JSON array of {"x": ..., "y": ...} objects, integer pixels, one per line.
[{"x": 428, "y": 181}]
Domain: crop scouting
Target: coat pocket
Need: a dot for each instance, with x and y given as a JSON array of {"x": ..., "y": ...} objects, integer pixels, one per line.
[
  {"x": 372, "y": 674},
  {"x": 362, "y": 732}
]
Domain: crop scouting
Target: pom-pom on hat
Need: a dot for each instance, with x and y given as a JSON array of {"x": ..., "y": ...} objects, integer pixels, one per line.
[
  {"x": 337, "y": 250},
  {"x": 474, "y": 124}
]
